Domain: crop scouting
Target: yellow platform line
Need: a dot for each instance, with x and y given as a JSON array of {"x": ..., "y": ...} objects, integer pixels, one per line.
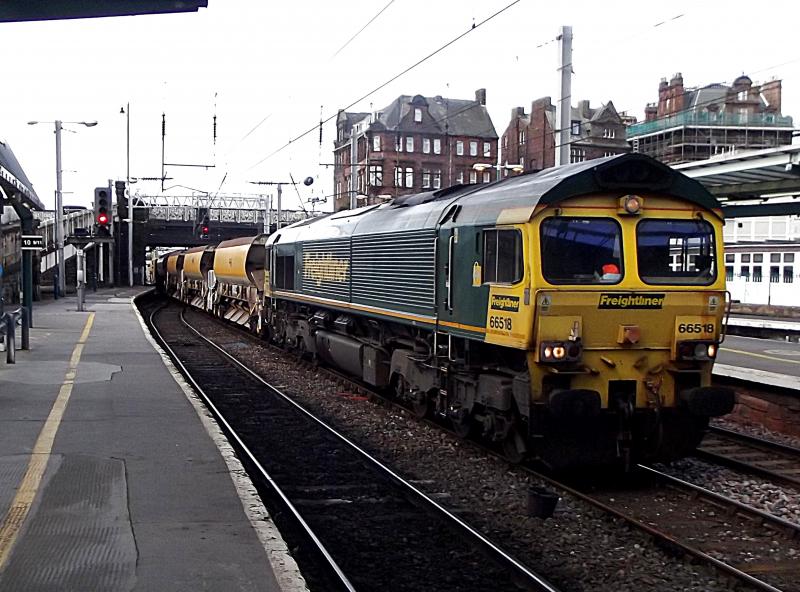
[
  {"x": 29, "y": 486},
  {"x": 755, "y": 355}
]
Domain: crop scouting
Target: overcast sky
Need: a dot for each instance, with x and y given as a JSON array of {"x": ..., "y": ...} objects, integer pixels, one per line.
[{"x": 268, "y": 69}]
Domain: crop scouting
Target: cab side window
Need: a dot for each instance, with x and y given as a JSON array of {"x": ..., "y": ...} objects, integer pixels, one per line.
[
  {"x": 502, "y": 256},
  {"x": 284, "y": 271}
]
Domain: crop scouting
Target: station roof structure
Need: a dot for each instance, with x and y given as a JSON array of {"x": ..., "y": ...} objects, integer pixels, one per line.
[
  {"x": 13, "y": 179},
  {"x": 43, "y": 10},
  {"x": 771, "y": 176}
]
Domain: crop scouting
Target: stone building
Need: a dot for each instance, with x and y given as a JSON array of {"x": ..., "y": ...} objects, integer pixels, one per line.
[
  {"x": 530, "y": 140},
  {"x": 414, "y": 144},
  {"x": 695, "y": 123}
]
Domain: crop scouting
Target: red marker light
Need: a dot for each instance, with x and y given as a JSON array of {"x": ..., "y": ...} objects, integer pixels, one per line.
[{"x": 610, "y": 268}]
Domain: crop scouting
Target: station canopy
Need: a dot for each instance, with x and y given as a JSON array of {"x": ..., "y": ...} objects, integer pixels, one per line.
[{"x": 752, "y": 183}]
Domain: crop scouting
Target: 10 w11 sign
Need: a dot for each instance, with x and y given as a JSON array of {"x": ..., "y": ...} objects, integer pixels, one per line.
[{"x": 32, "y": 242}]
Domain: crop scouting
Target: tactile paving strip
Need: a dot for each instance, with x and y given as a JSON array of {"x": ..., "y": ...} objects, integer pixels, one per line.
[{"x": 78, "y": 535}]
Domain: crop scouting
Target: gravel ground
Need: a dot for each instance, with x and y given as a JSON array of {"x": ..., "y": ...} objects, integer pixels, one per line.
[
  {"x": 579, "y": 548},
  {"x": 759, "y": 431},
  {"x": 780, "y": 500}
]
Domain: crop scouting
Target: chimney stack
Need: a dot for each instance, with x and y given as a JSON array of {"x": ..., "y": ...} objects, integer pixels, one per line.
[{"x": 480, "y": 96}]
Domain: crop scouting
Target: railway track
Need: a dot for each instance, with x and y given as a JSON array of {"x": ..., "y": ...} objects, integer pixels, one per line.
[
  {"x": 354, "y": 523},
  {"x": 777, "y": 462},
  {"x": 749, "y": 546}
]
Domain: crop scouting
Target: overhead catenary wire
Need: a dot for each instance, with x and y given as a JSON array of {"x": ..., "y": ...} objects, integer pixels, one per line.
[
  {"x": 362, "y": 29},
  {"x": 389, "y": 81}
]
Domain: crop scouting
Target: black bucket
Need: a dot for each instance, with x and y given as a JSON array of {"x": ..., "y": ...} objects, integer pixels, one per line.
[{"x": 541, "y": 502}]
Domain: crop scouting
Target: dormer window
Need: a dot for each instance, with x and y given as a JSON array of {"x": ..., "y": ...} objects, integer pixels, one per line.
[
  {"x": 742, "y": 95},
  {"x": 418, "y": 115},
  {"x": 576, "y": 128}
]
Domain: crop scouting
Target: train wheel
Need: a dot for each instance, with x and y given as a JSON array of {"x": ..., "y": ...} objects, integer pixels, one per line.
[
  {"x": 461, "y": 420},
  {"x": 421, "y": 405},
  {"x": 514, "y": 448}
]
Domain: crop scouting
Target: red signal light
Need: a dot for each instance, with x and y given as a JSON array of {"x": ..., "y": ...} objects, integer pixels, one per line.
[
  {"x": 205, "y": 229},
  {"x": 102, "y": 219}
]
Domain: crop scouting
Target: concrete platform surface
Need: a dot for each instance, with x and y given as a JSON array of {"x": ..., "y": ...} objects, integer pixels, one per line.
[{"x": 111, "y": 478}]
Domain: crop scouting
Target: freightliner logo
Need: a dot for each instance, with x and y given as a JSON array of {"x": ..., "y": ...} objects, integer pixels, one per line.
[
  {"x": 629, "y": 301},
  {"x": 505, "y": 303}
]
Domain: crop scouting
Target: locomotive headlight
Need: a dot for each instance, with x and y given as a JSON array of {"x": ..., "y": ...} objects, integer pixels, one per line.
[
  {"x": 560, "y": 351},
  {"x": 630, "y": 204},
  {"x": 697, "y": 350}
]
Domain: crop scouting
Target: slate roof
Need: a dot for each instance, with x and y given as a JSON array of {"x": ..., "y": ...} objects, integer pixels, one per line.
[{"x": 456, "y": 117}]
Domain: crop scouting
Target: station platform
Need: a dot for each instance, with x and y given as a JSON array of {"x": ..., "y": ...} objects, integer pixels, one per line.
[{"x": 111, "y": 475}]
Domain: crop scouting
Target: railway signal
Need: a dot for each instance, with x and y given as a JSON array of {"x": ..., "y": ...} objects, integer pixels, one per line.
[{"x": 102, "y": 211}]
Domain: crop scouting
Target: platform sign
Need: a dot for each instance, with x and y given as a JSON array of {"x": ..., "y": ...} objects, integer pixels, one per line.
[{"x": 32, "y": 242}]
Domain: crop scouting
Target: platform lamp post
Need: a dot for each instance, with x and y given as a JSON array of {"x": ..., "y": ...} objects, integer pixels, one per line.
[
  {"x": 126, "y": 110},
  {"x": 62, "y": 282}
]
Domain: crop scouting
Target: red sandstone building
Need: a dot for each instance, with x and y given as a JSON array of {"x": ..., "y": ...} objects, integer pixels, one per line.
[
  {"x": 530, "y": 141},
  {"x": 697, "y": 123},
  {"x": 414, "y": 144}
]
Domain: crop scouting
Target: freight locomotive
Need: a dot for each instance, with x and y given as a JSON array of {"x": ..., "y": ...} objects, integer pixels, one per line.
[{"x": 571, "y": 315}]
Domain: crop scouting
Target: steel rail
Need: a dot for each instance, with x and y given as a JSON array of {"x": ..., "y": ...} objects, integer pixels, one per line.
[
  {"x": 532, "y": 578},
  {"x": 756, "y": 444},
  {"x": 655, "y": 533},
  {"x": 780, "y": 524},
  {"x": 343, "y": 580}
]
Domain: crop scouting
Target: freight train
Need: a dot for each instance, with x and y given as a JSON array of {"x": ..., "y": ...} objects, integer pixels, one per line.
[{"x": 571, "y": 315}]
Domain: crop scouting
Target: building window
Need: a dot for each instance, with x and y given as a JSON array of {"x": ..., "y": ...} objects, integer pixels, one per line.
[
  {"x": 410, "y": 144},
  {"x": 473, "y": 148},
  {"x": 460, "y": 178},
  {"x": 398, "y": 145},
  {"x": 575, "y": 130},
  {"x": 505, "y": 142},
  {"x": 609, "y": 132},
  {"x": 730, "y": 257},
  {"x": 742, "y": 95},
  {"x": 376, "y": 143},
  {"x": 745, "y": 257},
  {"x": 744, "y": 273},
  {"x": 460, "y": 148},
  {"x": 426, "y": 178},
  {"x": 788, "y": 274},
  {"x": 774, "y": 274},
  {"x": 758, "y": 258},
  {"x": 608, "y": 153},
  {"x": 437, "y": 146},
  {"x": 521, "y": 137},
  {"x": 788, "y": 257},
  {"x": 409, "y": 177},
  {"x": 426, "y": 145},
  {"x": 437, "y": 179},
  {"x": 729, "y": 273},
  {"x": 487, "y": 178},
  {"x": 376, "y": 175},
  {"x": 757, "y": 273},
  {"x": 577, "y": 155},
  {"x": 398, "y": 177},
  {"x": 487, "y": 149},
  {"x": 473, "y": 177},
  {"x": 775, "y": 258},
  {"x": 417, "y": 114}
]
